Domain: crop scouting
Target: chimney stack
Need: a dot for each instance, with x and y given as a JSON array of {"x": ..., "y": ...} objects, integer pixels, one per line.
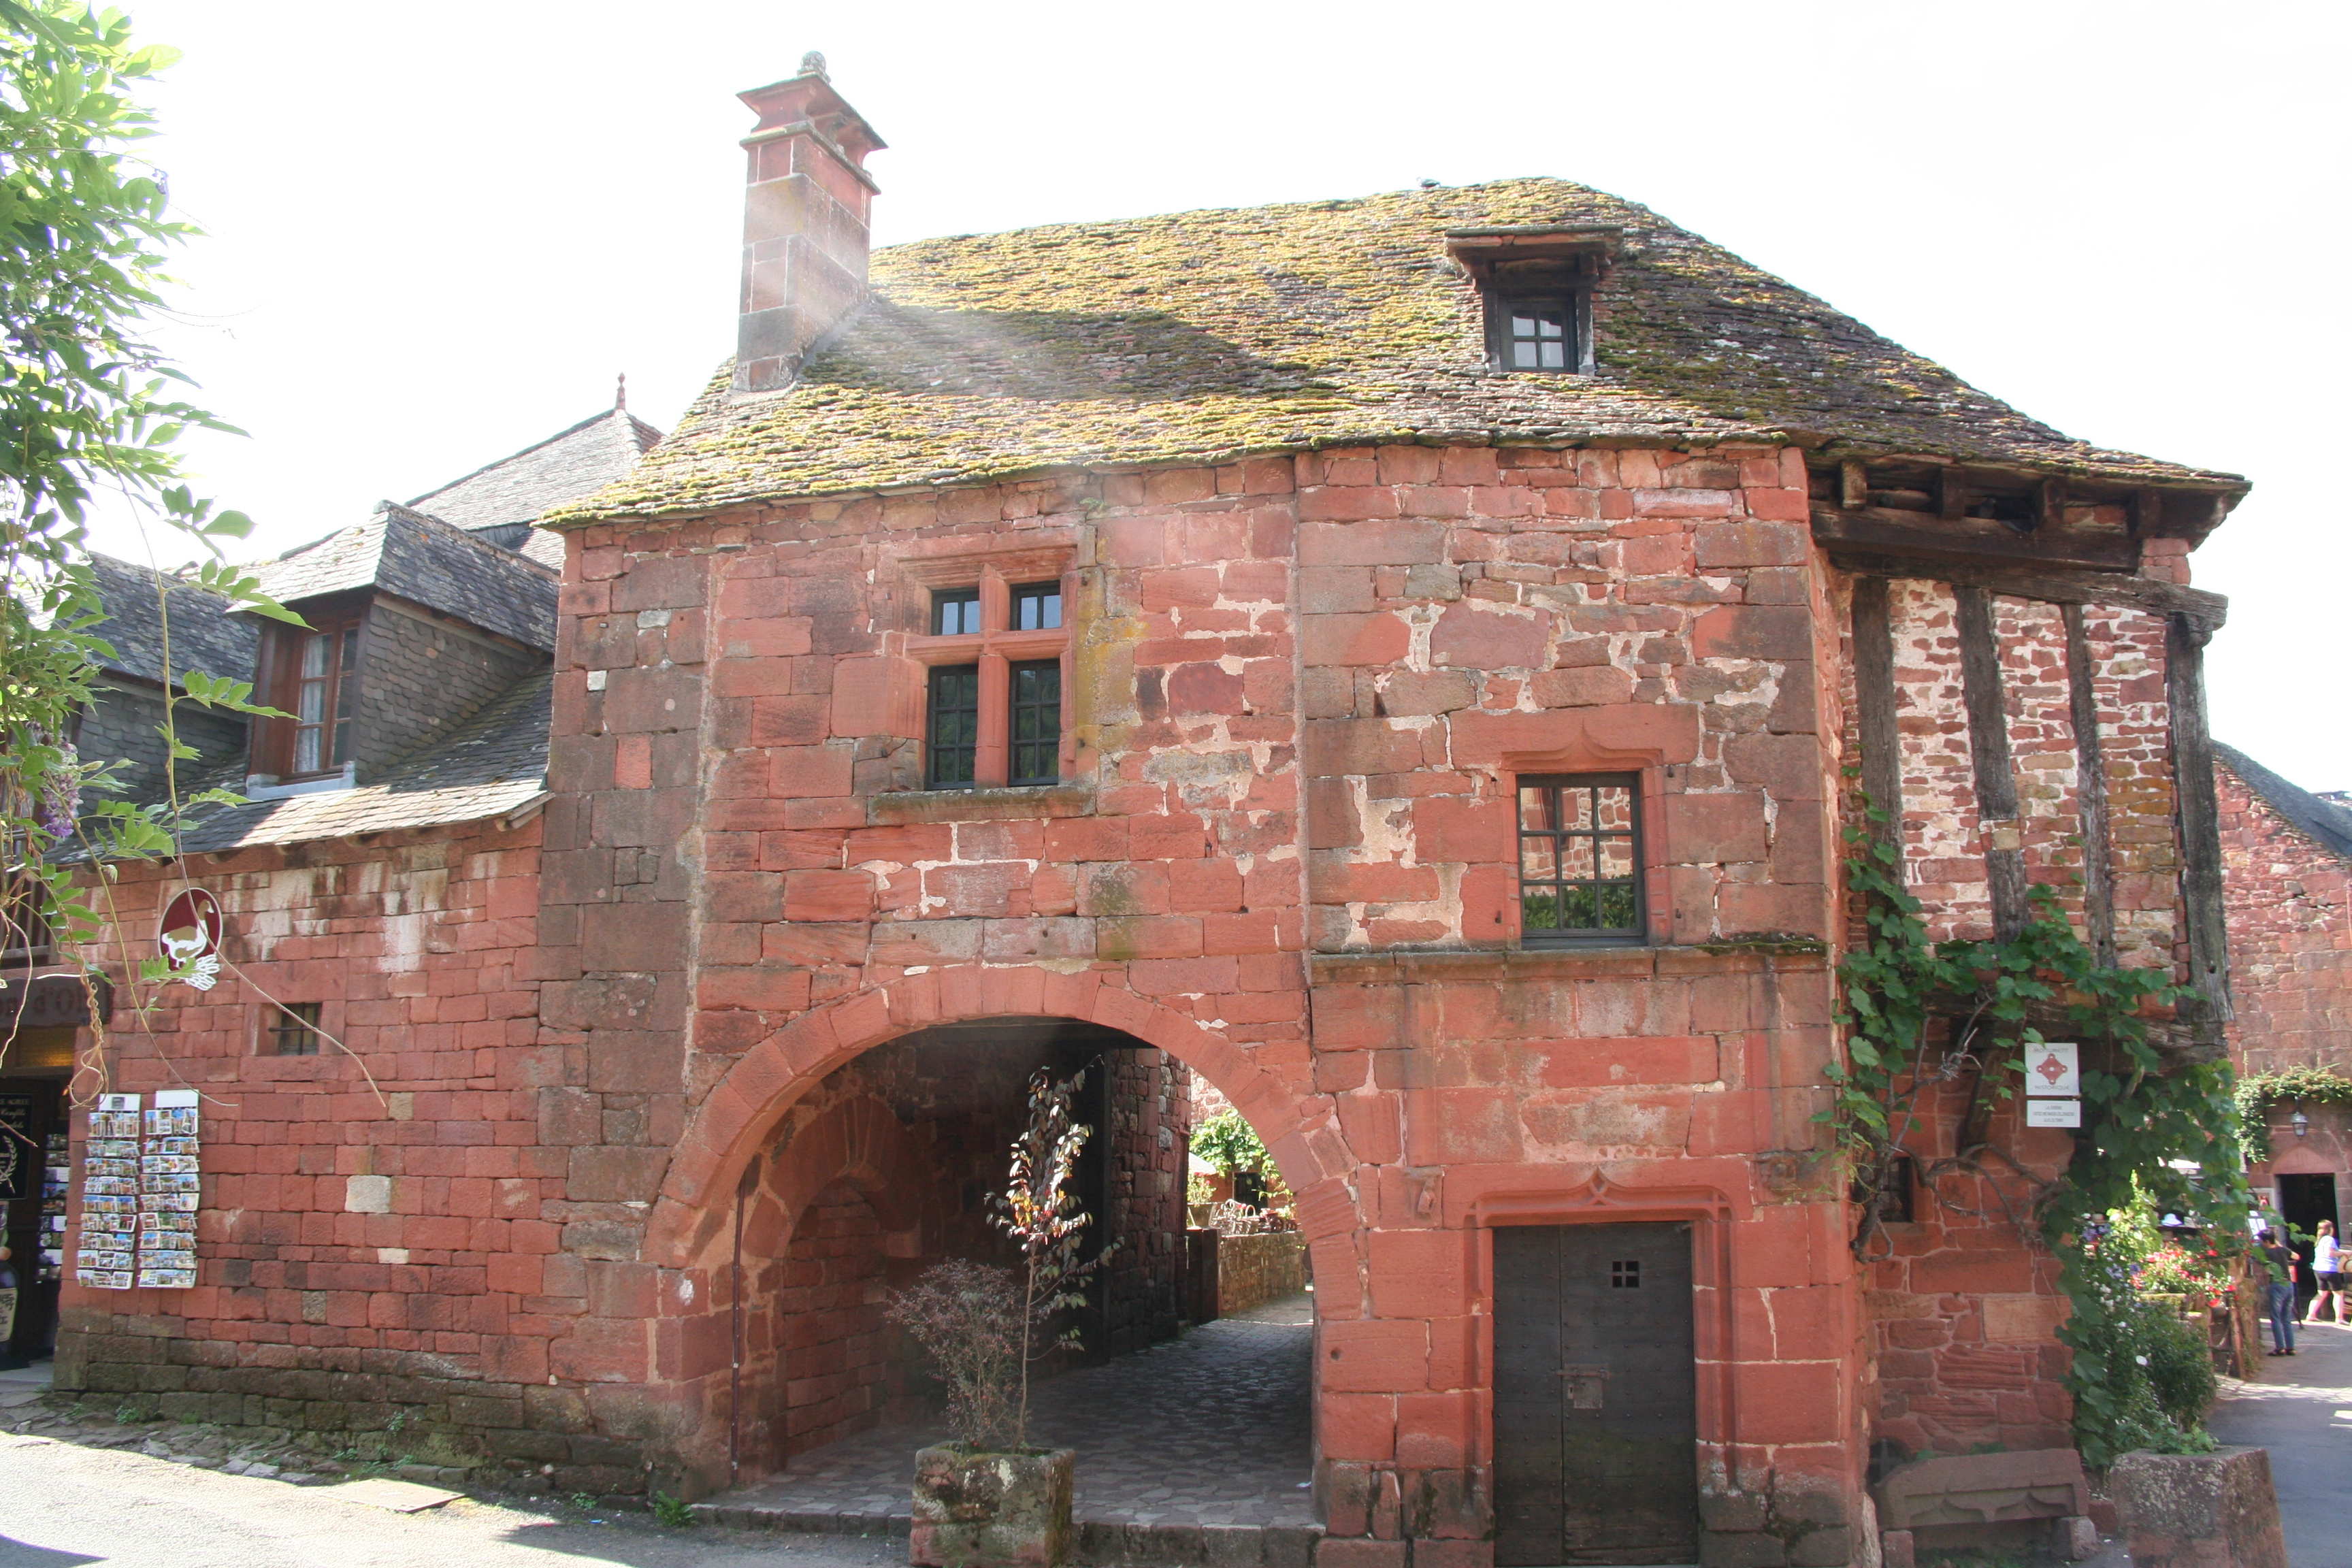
[{"x": 804, "y": 223}]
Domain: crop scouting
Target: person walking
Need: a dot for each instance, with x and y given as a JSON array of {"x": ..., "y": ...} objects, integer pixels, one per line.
[
  {"x": 2278, "y": 1259},
  {"x": 2327, "y": 1272}
]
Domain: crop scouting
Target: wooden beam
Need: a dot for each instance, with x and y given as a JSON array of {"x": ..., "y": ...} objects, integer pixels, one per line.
[
  {"x": 2050, "y": 505},
  {"x": 1951, "y": 493},
  {"x": 2090, "y": 789},
  {"x": 1874, "y": 682},
  {"x": 1996, "y": 778},
  {"x": 1853, "y": 483},
  {"x": 2145, "y": 514},
  {"x": 2201, "y": 819},
  {"x": 2050, "y": 584},
  {"x": 1969, "y": 539}
]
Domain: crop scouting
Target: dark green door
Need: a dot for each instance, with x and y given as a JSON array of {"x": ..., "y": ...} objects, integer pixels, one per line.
[{"x": 1596, "y": 1415}]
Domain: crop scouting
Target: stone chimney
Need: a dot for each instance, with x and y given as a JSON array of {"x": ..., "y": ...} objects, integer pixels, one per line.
[{"x": 804, "y": 223}]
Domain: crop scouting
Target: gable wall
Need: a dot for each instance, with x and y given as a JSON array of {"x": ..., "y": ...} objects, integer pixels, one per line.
[{"x": 421, "y": 677}]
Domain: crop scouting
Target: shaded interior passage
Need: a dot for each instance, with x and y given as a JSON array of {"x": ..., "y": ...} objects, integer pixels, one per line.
[
  {"x": 1213, "y": 1428},
  {"x": 887, "y": 1167}
]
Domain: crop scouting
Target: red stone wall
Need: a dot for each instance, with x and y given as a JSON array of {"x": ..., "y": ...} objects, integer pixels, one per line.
[
  {"x": 366, "y": 1248},
  {"x": 828, "y": 1317},
  {"x": 2290, "y": 903}
]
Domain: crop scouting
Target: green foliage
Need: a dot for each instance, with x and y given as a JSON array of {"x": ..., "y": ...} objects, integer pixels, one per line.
[
  {"x": 672, "y": 1511},
  {"x": 85, "y": 406},
  {"x": 1230, "y": 1143},
  {"x": 2144, "y": 1117},
  {"x": 2257, "y": 1092}
]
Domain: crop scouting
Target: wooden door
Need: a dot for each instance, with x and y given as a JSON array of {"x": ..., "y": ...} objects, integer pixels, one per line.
[{"x": 1596, "y": 1417}]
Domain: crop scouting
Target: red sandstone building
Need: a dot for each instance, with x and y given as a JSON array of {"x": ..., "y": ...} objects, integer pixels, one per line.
[
  {"x": 1405, "y": 662},
  {"x": 2287, "y": 856}
]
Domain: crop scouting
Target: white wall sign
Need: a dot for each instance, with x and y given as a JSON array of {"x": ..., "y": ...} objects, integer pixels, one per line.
[
  {"x": 2053, "y": 1113},
  {"x": 2052, "y": 1069}
]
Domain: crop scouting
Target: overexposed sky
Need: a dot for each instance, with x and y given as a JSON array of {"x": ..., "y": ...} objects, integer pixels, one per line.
[{"x": 438, "y": 230}]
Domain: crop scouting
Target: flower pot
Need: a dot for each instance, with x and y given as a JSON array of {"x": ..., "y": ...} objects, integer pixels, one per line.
[{"x": 974, "y": 1509}]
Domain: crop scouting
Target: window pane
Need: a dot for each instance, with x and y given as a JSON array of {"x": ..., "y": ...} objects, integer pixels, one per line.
[
  {"x": 1538, "y": 859},
  {"x": 955, "y": 613},
  {"x": 306, "y": 751},
  {"x": 1535, "y": 807},
  {"x": 1523, "y": 355},
  {"x": 314, "y": 656},
  {"x": 1553, "y": 359},
  {"x": 1617, "y": 857},
  {"x": 951, "y": 755},
  {"x": 1546, "y": 327},
  {"x": 1616, "y": 808},
  {"x": 1037, "y": 607},
  {"x": 1576, "y": 858},
  {"x": 1541, "y": 910},
  {"x": 1579, "y": 909},
  {"x": 1576, "y": 807},
  {"x": 1036, "y": 722},
  {"x": 1617, "y": 905}
]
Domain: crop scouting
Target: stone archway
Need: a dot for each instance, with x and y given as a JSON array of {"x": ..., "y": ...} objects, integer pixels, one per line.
[{"x": 724, "y": 1133}]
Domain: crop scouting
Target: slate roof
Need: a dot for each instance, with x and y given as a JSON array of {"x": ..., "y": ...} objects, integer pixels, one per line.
[
  {"x": 1203, "y": 336},
  {"x": 2327, "y": 824},
  {"x": 204, "y": 634},
  {"x": 428, "y": 561},
  {"x": 501, "y": 500},
  {"x": 496, "y": 762}
]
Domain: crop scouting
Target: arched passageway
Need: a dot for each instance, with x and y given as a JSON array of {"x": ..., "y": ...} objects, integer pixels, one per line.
[{"x": 886, "y": 1166}]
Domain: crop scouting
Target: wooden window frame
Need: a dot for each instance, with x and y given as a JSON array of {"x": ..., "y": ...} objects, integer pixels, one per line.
[
  {"x": 278, "y": 740},
  {"x": 298, "y": 1024},
  {"x": 1637, "y": 931},
  {"x": 996, "y": 648},
  {"x": 1574, "y": 304}
]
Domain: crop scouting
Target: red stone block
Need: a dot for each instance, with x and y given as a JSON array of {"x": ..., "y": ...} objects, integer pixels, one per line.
[
  {"x": 1421, "y": 1273},
  {"x": 1357, "y": 1426},
  {"x": 1436, "y": 1431},
  {"x": 1357, "y": 1552},
  {"x": 1374, "y": 1355},
  {"x": 1462, "y": 1126}
]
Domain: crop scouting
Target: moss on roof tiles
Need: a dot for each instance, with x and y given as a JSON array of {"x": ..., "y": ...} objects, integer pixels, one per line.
[{"x": 1202, "y": 336}]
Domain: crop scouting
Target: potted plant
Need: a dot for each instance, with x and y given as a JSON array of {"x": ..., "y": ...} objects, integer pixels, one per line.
[{"x": 986, "y": 1499}]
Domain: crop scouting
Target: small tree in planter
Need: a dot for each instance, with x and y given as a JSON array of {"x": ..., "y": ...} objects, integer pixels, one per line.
[{"x": 987, "y": 1498}]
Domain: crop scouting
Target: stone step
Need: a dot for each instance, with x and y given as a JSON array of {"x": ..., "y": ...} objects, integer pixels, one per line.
[{"x": 1103, "y": 1542}]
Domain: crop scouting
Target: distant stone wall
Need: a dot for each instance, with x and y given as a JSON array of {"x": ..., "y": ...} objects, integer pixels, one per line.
[
  {"x": 2290, "y": 909},
  {"x": 1255, "y": 1270},
  {"x": 124, "y": 722},
  {"x": 421, "y": 678}
]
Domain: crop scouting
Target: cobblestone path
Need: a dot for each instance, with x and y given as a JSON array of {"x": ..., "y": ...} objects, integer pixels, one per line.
[{"x": 1210, "y": 1429}]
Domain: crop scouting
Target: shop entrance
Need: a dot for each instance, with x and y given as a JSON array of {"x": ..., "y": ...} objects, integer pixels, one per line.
[
  {"x": 2303, "y": 1201},
  {"x": 1596, "y": 1414},
  {"x": 33, "y": 1129}
]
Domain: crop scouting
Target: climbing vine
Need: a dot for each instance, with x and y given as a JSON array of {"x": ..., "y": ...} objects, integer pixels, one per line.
[
  {"x": 1920, "y": 1016},
  {"x": 2257, "y": 1092}
]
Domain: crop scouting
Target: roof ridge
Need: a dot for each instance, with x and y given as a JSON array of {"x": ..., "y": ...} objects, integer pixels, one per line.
[
  {"x": 638, "y": 434},
  {"x": 2323, "y": 821}
]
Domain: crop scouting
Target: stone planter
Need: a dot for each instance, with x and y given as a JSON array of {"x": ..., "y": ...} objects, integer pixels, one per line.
[
  {"x": 2214, "y": 1510},
  {"x": 979, "y": 1510}
]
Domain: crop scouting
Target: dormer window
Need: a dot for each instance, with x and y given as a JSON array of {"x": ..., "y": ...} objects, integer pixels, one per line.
[
  {"x": 313, "y": 675},
  {"x": 1535, "y": 287},
  {"x": 325, "y": 687},
  {"x": 1541, "y": 332}
]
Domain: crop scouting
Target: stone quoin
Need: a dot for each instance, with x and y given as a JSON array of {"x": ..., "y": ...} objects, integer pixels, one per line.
[{"x": 1403, "y": 664}]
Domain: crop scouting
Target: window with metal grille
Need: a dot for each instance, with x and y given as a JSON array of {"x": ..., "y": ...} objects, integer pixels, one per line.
[
  {"x": 1037, "y": 721},
  {"x": 1036, "y": 606},
  {"x": 1579, "y": 858},
  {"x": 955, "y": 612},
  {"x": 1626, "y": 1274},
  {"x": 294, "y": 1032},
  {"x": 951, "y": 751},
  {"x": 323, "y": 686}
]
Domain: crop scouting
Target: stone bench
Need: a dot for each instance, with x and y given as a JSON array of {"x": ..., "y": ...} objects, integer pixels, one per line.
[{"x": 1977, "y": 1491}]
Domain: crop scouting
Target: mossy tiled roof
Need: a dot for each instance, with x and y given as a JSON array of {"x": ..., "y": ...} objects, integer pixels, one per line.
[{"x": 1202, "y": 336}]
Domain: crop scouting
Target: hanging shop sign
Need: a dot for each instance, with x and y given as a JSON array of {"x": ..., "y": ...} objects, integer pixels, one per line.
[{"x": 189, "y": 936}]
